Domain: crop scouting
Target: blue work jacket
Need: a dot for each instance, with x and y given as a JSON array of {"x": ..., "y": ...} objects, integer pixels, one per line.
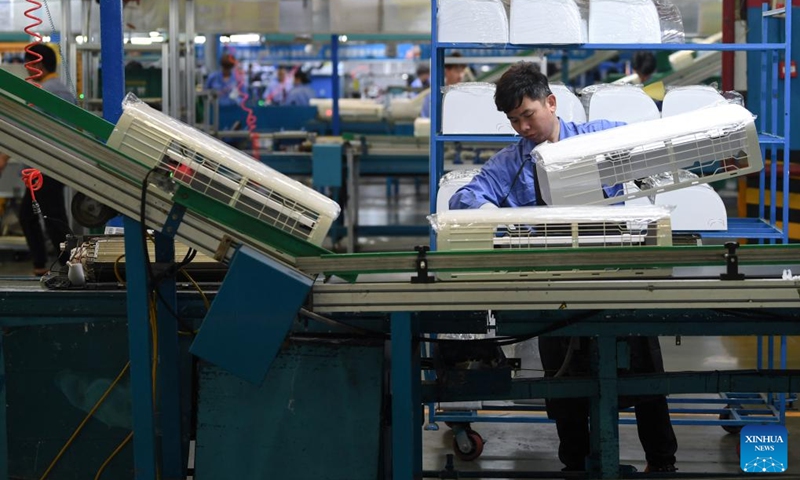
[{"x": 496, "y": 177}]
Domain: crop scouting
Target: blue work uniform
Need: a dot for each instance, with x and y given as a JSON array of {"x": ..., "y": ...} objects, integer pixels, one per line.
[
  {"x": 495, "y": 179},
  {"x": 227, "y": 90},
  {"x": 277, "y": 92},
  {"x": 300, "y": 96},
  {"x": 426, "y": 107}
]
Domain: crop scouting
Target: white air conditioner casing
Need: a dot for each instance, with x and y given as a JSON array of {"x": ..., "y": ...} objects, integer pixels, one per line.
[
  {"x": 575, "y": 171},
  {"x": 547, "y": 227},
  {"x": 221, "y": 172}
]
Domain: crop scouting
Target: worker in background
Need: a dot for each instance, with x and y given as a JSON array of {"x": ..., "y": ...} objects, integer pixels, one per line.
[
  {"x": 224, "y": 81},
  {"x": 279, "y": 87},
  {"x": 423, "y": 79},
  {"x": 51, "y": 194},
  {"x": 508, "y": 179},
  {"x": 453, "y": 73},
  {"x": 644, "y": 65},
  {"x": 301, "y": 93}
]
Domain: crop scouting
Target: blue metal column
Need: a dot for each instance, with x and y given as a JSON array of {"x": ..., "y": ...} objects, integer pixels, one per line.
[
  {"x": 406, "y": 405},
  {"x": 604, "y": 409},
  {"x": 3, "y": 423},
  {"x": 138, "y": 326},
  {"x": 169, "y": 406},
  {"x": 437, "y": 149},
  {"x": 335, "y": 86}
]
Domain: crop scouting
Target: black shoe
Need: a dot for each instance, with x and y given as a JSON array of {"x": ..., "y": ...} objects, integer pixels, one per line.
[{"x": 660, "y": 468}]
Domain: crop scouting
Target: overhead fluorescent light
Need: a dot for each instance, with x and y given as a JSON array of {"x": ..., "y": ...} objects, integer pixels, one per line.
[
  {"x": 200, "y": 39},
  {"x": 246, "y": 38},
  {"x": 224, "y": 39},
  {"x": 141, "y": 41}
]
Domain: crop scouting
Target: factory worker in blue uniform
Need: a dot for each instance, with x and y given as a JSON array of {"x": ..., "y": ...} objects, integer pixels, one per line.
[
  {"x": 302, "y": 93},
  {"x": 224, "y": 82},
  {"x": 509, "y": 180}
]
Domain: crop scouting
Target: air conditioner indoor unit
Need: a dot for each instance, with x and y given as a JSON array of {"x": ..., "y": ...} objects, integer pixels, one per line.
[
  {"x": 548, "y": 227},
  {"x": 219, "y": 172},
  {"x": 715, "y": 143}
]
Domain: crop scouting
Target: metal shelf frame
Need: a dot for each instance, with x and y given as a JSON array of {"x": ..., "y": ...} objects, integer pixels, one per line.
[{"x": 766, "y": 228}]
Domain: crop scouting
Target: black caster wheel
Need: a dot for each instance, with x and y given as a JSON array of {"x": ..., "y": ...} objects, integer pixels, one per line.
[{"x": 732, "y": 429}]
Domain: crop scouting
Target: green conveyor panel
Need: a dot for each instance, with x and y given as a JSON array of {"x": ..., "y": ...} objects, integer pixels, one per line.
[{"x": 56, "y": 106}]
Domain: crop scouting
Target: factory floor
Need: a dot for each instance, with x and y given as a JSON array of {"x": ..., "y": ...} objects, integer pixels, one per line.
[{"x": 533, "y": 446}]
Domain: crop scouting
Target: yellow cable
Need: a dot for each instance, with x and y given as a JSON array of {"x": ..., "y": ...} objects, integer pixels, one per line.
[
  {"x": 153, "y": 372},
  {"x": 197, "y": 287},
  {"x": 113, "y": 454},
  {"x": 116, "y": 269},
  {"x": 85, "y": 419}
]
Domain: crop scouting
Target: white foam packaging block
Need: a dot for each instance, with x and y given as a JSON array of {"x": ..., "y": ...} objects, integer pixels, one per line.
[
  {"x": 686, "y": 99},
  {"x": 621, "y": 103},
  {"x": 624, "y": 21},
  {"x": 539, "y": 22},
  {"x": 568, "y": 107},
  {"x": 422, "y": 127},
  {"x": 472, "y": 21},
  {"x": 469, "y": 109}
]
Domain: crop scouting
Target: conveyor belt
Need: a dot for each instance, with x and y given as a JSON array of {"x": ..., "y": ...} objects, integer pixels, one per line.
[{"x": 101, "y": 173}]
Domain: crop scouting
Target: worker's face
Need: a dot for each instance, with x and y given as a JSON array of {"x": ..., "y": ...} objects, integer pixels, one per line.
[
  {"x": 281, "y": 75},
  {"x": 452, "y": 75},
  {"x": 535, "y": 119}
]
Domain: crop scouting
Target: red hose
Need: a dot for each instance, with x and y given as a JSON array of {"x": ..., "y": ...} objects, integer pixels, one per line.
[
  {"x": 251, "y": 118},
  {"x": 35, "y": 72},
  {"x": 32, "y": 178}
]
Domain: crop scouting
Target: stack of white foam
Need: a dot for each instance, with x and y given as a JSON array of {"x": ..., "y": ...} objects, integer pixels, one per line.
[
  {"x": 622, "y": 103},
  {"x": 469, "y": 109},
  {"x": 624, "y": 21},
  {"x": 473, "y": 21},
  {"x": 568, "y": 107},
  {"x": 546, "y": 22}
]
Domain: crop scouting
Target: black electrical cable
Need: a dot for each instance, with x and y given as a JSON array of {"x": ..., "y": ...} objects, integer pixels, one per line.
[{"x": 514, "y": 182}]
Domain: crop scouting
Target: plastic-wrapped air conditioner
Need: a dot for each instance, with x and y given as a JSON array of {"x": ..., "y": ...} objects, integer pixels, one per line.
[
  {"x": 540, "y": 22},
  {"x": 686, "y": 99},
  {"x": 472, "y": 21},
  {"x": 220, "y": 172},
  {"x": 547, "y": 227},
  {"x": 469, "y": 108},
  {"x": 575, "y": 171},
  {"x": 624, "y": 21},
  {"x": 568, "y": 106}
]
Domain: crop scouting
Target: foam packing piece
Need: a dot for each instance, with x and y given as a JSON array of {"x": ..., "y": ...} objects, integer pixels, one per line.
[
  {"x": 472, "y": 21},
  {"x": 624, "y": 21},
  {"x": 469, "y": 109},
  {"x": 538, "y": 22}
]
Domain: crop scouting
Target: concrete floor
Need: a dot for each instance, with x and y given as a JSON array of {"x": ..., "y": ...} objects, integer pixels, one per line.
[{"x": 702, "y": 449}]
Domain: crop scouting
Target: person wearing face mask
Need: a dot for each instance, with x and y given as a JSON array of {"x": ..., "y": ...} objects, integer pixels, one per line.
[
  {"x": 508, "y": 179},
  {"x": 224, "y": 81}
]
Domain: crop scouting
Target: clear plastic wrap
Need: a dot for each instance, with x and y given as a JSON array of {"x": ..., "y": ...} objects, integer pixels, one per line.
[
  {"x": 562, "y": 24},
  {"x": 469, "y": 108},
  {"x": 472, "y": 21},
  {"x": 219, "y": 171},
  {"x": 624, "y": 21},
  {"x": 664, "y": 179},
  {"x": 568, "y": 107},
  {"x": 536, "y": 216},
  {"x": 450, "y": 183},
  {"x": 578, "y": 170},
  {"x": 680, "y": 100},
  {"x": 618, "y": 103},
  {"x": 671, "y": 22}
]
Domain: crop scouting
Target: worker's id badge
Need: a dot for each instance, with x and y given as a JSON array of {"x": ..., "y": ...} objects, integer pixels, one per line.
[{"x": 764, "y": 449}]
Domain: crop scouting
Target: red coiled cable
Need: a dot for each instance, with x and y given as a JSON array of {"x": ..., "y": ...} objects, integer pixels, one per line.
[
  {"x": 251, "y": 117},
  {"x": 35, "y": 72},
  {"x": 32, "y": 178}
]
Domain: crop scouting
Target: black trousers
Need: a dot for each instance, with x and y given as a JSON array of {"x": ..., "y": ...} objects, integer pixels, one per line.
[
  {"x": 572, "y": 414},
  {"x": 51, "y": 201}
]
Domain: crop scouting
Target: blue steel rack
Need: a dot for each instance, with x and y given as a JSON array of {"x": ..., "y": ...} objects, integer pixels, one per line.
[{"x": 774, "y": 134}]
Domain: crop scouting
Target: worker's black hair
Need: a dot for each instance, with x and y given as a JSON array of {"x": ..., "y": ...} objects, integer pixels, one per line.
[
  {"x": 643, "y": 63},
  {"x": 454, "y": 65},
  {"x": 423, "y": 69},
  {"x": 522, "y": 80},
  {"x": 302, "y": 77},
  {"x": 48, "y": 56}
]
